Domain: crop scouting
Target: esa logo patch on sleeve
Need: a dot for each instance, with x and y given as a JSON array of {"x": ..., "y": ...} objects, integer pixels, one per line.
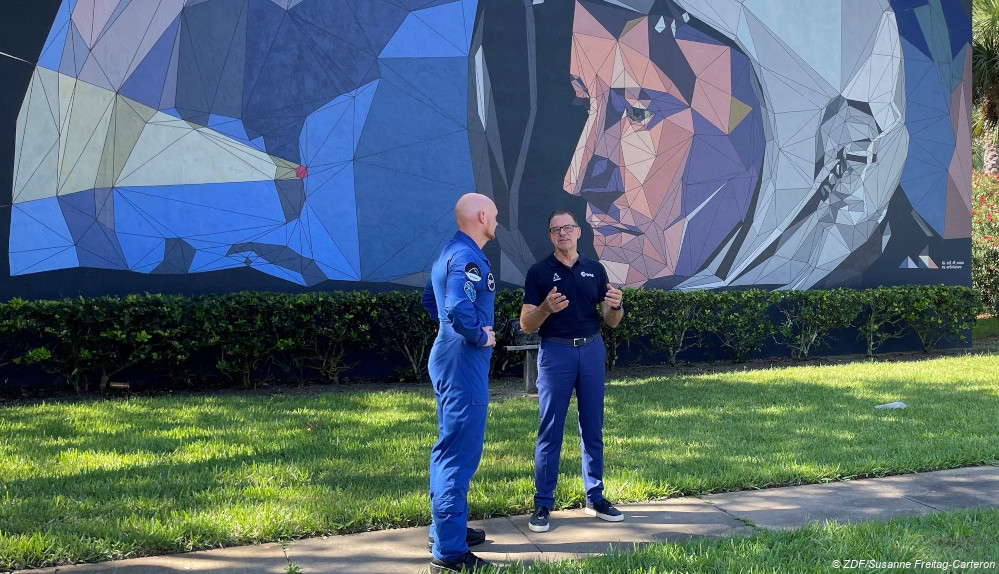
[
  {"x": 472, "y": 272},
  {"x": 470, "y": 291}
]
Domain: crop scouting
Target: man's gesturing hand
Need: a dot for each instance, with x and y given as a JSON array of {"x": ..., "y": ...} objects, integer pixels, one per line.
[
  {"x": 555, "y": 301},
  {"x": 490, "y": 337},
  {"x": 614, "y": 296}
]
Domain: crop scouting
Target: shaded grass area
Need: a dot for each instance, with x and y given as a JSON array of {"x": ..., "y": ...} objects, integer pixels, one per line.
[
  {"x": 948, "y": 541},
  {"x": 985, "y": 328},
  {"x": 104, "y": 480}
]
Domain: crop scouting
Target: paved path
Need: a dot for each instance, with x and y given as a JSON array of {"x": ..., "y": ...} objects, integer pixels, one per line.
[{"x": 574, "y": 534}]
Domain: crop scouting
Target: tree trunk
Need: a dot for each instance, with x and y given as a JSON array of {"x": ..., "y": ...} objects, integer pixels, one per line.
[{"x": 990, "y": 157}]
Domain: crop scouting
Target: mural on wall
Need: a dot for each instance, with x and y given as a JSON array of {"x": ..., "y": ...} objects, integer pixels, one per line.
[
  {"x": 704, "y": 143},
  {"x": 187, "y": 137}
]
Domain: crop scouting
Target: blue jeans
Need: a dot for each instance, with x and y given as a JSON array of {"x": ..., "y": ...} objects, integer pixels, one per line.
[{"x": 563, "y": 369}]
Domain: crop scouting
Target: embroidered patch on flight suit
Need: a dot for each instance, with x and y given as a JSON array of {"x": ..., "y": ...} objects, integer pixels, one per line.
[
  {"x": 472, "y": 272},
  {"x": 470, "y": 291},
  {"x": 491, "y": 281}
]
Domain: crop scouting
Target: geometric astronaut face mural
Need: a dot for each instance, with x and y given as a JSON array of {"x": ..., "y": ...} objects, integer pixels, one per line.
[
  {"x": 854, "y": 119},
  {"x": 789, "y": 164},
  {"x": 853, "y": 161},
  {"x": 835, "y": 157},
  {"x": 289, "y": 136},
  {"x": 723, "y": 143},
  {"x": 671, "y": 153}
]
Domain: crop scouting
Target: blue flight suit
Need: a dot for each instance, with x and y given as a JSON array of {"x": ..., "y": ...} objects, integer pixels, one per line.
[
  {"x": 570, "y": 358},
  {"x": 460, "y": 295}
]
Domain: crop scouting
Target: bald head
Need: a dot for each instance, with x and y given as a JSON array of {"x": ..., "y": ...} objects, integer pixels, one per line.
[{"x": 475, "y": 215}]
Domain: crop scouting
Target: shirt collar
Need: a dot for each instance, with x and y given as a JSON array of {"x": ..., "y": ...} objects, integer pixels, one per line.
[
  {"x": 554, "y": 262},
  {"x": 464, "y": 238}
]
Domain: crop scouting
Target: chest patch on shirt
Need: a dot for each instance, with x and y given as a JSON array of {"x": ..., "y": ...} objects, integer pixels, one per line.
[
  {"x": 556, "y": 277},
  {"x": 491, "y": 281},
  {"x": 585, "y": 274},
  {"x": 472, "y": 272},
  {"x": 470, "y": 291}
]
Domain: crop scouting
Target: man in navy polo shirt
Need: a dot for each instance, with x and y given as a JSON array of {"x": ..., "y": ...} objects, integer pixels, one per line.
[{"x": 561, "y": 294}]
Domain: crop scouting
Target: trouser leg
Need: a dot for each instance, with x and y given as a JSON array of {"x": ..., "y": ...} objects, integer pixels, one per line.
[
  {"x": 461, "y": 389},
  {"x": 434, "y": 467},
  {"x": 590, "y": 399},
  {"x": 556, "y": 379}
]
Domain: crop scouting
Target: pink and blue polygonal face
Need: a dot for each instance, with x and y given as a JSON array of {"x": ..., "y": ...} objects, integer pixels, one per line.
[
  {"x": 283, "y": 135},
  {"x": 672, "y": 150}
]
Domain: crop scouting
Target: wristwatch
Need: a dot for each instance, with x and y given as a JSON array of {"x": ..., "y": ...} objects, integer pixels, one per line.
[{"x": 618, "y": 308}]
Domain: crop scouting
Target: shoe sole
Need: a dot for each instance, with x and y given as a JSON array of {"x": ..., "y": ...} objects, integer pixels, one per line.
[
  {"x": 607, "y": 517},
  {"x": 437, "y": 569},
  {"x": 536, "y": 528}
]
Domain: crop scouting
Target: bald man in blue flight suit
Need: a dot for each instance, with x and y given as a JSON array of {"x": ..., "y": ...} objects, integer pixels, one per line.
[{"x": 460, "y": 295}]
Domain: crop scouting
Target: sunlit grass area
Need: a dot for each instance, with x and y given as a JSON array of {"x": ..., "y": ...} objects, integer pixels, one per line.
[{"x": 101, "y": 480}]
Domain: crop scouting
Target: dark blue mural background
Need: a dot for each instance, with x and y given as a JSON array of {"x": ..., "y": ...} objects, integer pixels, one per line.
[{"x": 375, "y": 124}]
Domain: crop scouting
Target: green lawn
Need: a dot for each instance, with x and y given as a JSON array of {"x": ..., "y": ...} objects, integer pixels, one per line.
[
  {"x": 927, "y": 543},
  {"x": 985, "y": 328},
  {"x": 101, "y": 480}
]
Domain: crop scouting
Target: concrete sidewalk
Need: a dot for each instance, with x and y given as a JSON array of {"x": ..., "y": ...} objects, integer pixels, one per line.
[{"x": 574, "y": 534}]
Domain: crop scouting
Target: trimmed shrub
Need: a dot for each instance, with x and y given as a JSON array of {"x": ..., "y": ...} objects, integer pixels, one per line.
[
  {"x": 249, "y": 338},
  {"x": 740, "y": 320},
  {"x": 940, "y": 312},
  {"x": 810, "y": 317},
  {"x": 636, "y": 323},
  {"x": 404, "y": 328},
  {"x": 678, "y": 320},
  {"x": 883, "y": 316}
]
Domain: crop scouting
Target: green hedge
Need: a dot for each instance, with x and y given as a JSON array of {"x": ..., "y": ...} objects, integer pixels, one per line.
[{"x": 248, "y": 338}]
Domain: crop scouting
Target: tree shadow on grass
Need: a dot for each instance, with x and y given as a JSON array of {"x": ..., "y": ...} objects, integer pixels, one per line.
[{"x": 349, "y": 462}]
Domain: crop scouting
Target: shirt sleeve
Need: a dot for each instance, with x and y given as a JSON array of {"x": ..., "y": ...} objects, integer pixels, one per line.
[
  {"x": 430, "y": 300},
  {"x": 462, "y": 314},
  {"x": 532, "y": 289},
  {"x": 604, "y": 280}
]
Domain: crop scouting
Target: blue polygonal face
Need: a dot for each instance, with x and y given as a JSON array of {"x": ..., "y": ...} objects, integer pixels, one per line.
[{"x": 298, "y": 137}]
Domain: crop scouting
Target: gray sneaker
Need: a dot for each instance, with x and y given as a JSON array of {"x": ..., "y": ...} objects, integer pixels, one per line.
[
  {"x": 539, "y": 520},
  {"x": 604, "y": 511}
]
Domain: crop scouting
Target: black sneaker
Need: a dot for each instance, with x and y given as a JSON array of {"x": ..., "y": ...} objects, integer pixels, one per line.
[
  {"x": 539, "y": 520},
  {"x": 604, "y": 510},
  {"x": 467, "y": 562},
  {"x": 473, "y": 537}
]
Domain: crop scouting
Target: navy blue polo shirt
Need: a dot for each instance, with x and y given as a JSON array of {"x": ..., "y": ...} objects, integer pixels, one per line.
[{"x": 584, "y": 284}]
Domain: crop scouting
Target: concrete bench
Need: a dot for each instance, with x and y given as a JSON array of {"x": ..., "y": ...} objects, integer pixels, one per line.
[{"x": 530, "y": 365}]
